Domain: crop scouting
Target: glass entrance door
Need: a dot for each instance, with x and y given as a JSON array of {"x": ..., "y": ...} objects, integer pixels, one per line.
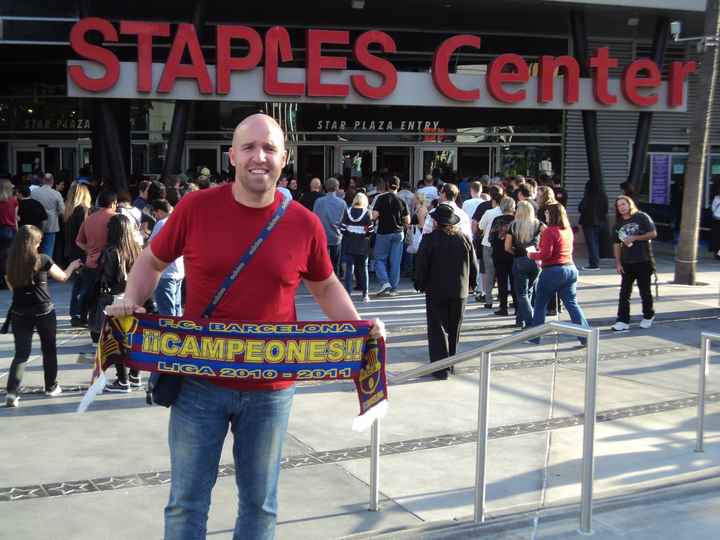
[
  {"x": 203, "y": 156},
  {"x": 357, "y": 162},
  {"x": 440, "y": 161},
  {"x": 397, "y": 160},
  {"x": 28, "y": 160},
  {"x": 475, "y": 161}
]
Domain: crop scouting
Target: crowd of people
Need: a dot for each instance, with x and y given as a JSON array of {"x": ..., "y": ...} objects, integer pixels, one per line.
[
  {"x": 455, "y": 241},
  {"x": 507, "y": 242},
  {"x": 97, "y": 234}
]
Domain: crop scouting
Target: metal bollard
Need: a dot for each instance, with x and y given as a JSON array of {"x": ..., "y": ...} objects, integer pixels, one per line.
[
  {"x": 482, "y": 434},
  {"x": 375, "y": 467},
  {"x": 588, "y": 464},
  {"x": 702, "y": 381}
]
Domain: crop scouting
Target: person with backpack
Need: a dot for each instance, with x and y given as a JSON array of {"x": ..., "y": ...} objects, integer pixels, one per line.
[
  {"x": 502, "y": 260},
  {"x": 356, "y": 228},
  {"x": 32, "y": 308},
  {"x": 115, "y": 263}
]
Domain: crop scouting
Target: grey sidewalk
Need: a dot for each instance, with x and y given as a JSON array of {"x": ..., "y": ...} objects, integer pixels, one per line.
[{"x": 105, "y": 473}]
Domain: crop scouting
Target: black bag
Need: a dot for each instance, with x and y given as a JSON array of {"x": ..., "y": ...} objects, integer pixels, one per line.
[{"x": 163, "y": 389}]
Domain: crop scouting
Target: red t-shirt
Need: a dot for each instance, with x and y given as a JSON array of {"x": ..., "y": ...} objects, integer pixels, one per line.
[
  {"x": 8, "y": 212},
  {"x": 211, "y": 230},
  {"x": 556, "y": 246},
  {"x": 93, "y": 234}
]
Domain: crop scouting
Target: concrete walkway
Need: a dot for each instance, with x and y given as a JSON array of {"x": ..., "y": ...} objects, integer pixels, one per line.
[{"x": 104, "y": 474}]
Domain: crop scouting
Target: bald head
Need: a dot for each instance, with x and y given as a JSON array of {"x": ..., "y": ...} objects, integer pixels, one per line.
[
  {"x": 315, "y": 184},
  {"x": 258, "y": 120}
]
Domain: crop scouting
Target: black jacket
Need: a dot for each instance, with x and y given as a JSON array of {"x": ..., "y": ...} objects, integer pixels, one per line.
[
  {"x": 593, "y": 209},
  {"x": 445, "y": 266}
]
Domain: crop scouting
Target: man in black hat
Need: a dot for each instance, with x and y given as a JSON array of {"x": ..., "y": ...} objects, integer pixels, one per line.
[{"x": 445, "y": 270}]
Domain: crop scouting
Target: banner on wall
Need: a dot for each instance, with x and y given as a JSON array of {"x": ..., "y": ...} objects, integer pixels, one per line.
[{"x": 660, "y": 178}]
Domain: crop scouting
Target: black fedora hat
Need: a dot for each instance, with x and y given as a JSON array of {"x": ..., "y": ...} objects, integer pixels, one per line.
[{"x": 444, "y": 215}]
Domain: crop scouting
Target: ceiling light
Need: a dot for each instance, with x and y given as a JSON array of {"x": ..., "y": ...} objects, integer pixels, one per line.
[
  {"x": 633, "y": 21},
  {"x": 358, "y": 4}
]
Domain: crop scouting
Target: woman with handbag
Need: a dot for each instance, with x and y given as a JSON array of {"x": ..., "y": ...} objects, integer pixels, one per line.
[
  {"x": 77, "y": 207},
  {"x": 115, "y": 263},
  {"x": 32, "y": 308}
]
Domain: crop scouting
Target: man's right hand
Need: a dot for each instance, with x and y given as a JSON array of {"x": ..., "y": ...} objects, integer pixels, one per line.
[
  {"x": 619, "y": 268},
  {"x": 123, "y": 307}
]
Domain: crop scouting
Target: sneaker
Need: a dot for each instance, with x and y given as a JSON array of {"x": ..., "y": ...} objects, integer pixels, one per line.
[
  {"x": 647, "y": 323},
  {"x": 383, "y": 290},
  {"x": 620, "y": 326},
  {"x": 12, "y": 400},
  {"x": 135, "y": 382},
  {"x": 117, "y": 387},
  {"x": 487, "y": 305},
  {"x": 393, "y": 292},
  {"x": 480, "y": 298},
  {"x": 54, "y": 391},
  {"x": 366, "y": 298},
  {"x": 75, "y": 322}
]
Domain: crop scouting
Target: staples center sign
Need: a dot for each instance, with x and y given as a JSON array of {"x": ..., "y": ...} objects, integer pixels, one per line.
[{"x": 326, "y": 79}]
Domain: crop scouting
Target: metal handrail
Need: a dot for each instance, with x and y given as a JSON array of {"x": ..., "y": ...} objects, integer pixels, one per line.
[
  {"x": 588, "y": 457},
  {"x": 705, "y": 339}
]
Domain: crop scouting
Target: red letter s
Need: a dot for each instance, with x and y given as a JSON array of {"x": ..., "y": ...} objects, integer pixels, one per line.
[{"x": 94, "y": 53}]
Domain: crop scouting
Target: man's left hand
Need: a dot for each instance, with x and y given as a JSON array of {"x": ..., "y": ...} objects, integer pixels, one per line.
[{"x": 377, "y": 330}]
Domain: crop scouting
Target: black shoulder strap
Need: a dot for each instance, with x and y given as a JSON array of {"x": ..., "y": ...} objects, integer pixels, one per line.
[{"x": 247, "y": 256}]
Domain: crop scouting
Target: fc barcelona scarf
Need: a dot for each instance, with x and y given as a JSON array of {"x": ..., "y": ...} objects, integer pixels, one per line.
[{"x": 224, "y": 350}]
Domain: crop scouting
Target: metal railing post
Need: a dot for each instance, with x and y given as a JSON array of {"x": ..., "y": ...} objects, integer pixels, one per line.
[
  {"x": 588, "y": 459},
  {"x": 482, "y": 434},
  {"x": 702, "y": 381},
  {"x": 375, "y": 466}
]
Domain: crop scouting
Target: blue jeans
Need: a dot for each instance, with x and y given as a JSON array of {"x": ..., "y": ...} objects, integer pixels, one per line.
[
  {"x": 388, "y": 254},
  {"x": 47, "y": 245},
  {"x": 525, "y": 273},
  {"x": 168, "y": 296},
  {"x": 199, "y": 422},
  {"x": 560, "y": 280},
  {"x": 351, "y": 262},
  {"x": 592, "y": 239}
]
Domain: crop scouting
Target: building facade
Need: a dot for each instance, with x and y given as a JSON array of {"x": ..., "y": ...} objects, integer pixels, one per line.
[{"x": 49, "y": 122}]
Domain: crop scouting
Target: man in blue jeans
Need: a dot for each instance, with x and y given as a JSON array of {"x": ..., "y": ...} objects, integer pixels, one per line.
[
  {"x": 168, "y": 294},
  {"x": 392, "y": 215},
  {"x": 212, "y": 228}
]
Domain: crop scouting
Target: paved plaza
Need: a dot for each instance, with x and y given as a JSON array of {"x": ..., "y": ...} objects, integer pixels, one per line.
[{"x": 104, "y": 474}]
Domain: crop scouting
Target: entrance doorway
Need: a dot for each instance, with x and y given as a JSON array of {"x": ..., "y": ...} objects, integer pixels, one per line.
[
  {"x": 440, "y": 161},
  {"x": 397, "y": 160},
  {"x": 476, "y": 161},
  {"x": 199, "y": 156},
  {"x": 29, "y": 160},
  {"x": 357, "y": 161}
]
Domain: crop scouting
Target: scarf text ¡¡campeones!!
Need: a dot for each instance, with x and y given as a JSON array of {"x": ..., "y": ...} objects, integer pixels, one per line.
[{"x": 224, "y": 350}]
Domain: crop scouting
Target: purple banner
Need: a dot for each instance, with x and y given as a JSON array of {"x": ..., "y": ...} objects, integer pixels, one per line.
[{"x": 660, "y": 178}]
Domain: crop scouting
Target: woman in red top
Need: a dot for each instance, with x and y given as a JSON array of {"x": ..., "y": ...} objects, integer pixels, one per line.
[
  {"x": 558, "y": 274},
  {"x": 8, "y": 225}
]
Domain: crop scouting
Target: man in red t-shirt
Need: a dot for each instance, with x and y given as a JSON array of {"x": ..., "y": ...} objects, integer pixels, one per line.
[{"x": 211, "y": 229}]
